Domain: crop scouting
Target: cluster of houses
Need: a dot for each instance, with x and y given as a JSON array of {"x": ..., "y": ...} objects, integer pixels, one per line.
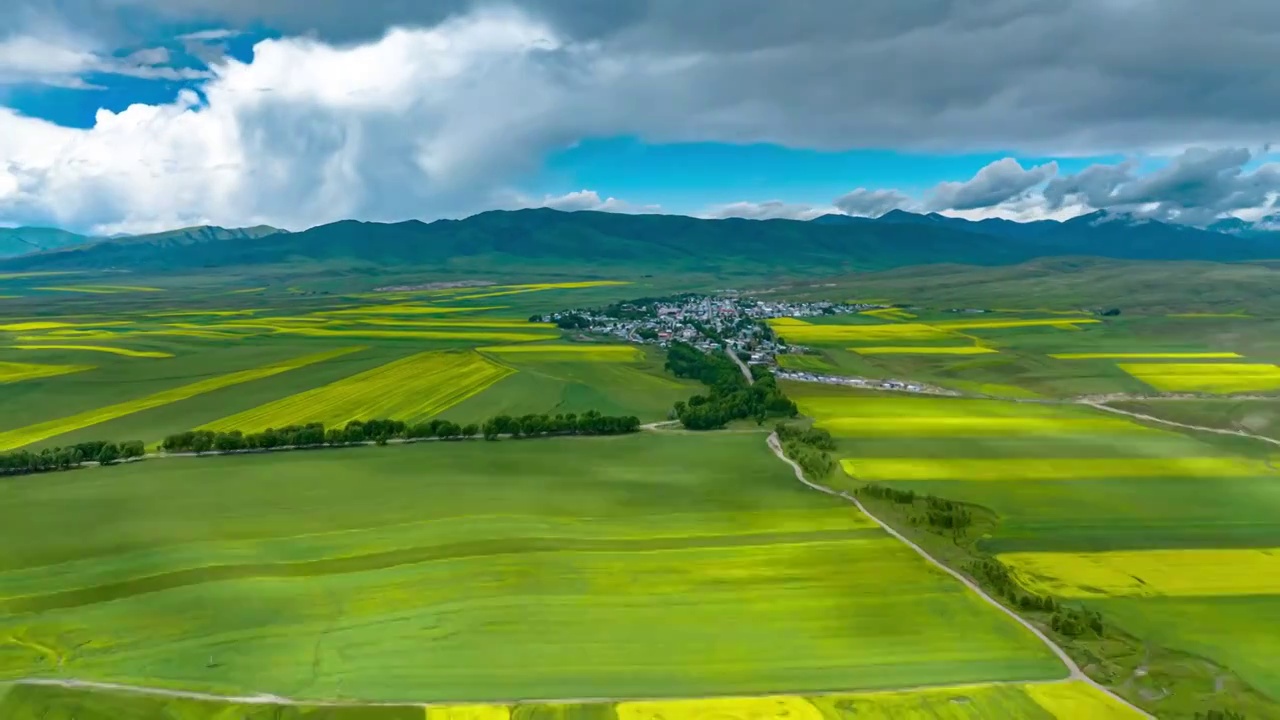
[{"x": 708, "y": 322}]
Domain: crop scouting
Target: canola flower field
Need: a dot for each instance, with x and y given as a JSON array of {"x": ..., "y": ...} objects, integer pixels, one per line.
[{"x": 410, "y": 389}]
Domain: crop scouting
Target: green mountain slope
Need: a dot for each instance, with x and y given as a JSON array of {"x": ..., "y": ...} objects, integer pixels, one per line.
[
  {"x": 25, "y": 240},
  {"x": 548, "y": 239}
]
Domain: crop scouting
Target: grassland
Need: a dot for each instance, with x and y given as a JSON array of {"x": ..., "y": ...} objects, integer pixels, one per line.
[
  {"x": 1259, "y": 417},
  {"x": 1170, "y": 536},
  {"x": 664, "y": 565}
]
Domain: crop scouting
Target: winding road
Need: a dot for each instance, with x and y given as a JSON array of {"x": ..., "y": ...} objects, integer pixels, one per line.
[{"x": 1075, "y": 673}]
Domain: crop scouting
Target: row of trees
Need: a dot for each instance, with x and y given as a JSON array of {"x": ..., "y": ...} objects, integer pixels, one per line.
[
  {"x": 1070, "y": 621},
  {"x": 26, "y": 462},
  {"x": 808, "y": 448},
  {"x": 731, "y": 396},
  {"x": 938, "y": 513},
  {"x": 381, "y": 431}
]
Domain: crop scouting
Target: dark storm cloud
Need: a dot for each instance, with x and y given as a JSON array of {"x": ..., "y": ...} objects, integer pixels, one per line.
[{"x": 1048, "y": 76}]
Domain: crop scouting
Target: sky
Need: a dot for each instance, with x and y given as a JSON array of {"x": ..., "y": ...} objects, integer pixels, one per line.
[{"x": 132, "y": 116}]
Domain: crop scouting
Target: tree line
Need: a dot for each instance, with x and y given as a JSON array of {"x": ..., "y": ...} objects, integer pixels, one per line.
[
  {"x": 358, "y": 432},
  {"x": 1069, "y": 621},
  {"x": 938, "y": 513},
  {"x": 27, "y": 462},
  {"x": 731, "y": 396},
  {"x": 808, "y": 448}
]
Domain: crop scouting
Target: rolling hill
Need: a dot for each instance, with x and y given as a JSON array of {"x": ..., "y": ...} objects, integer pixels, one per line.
[{"x": 549, "y": 238}]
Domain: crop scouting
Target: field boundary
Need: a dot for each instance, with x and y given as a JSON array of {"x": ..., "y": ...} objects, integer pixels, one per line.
[
  {"x": 1075, "y": 673},
  {"x": 1153, "y": 418},
  {"x": 269, "y": 699}
]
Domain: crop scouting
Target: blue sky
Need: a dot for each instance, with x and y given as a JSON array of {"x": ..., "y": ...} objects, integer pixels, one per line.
[{"x": 156, "y": 114}]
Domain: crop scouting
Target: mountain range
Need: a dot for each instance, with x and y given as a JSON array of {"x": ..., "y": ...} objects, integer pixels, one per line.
[{"x": 551, "y": 238}]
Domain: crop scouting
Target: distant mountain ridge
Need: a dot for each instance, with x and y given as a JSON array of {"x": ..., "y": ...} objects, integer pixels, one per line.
[
  {"x": 27, "y": 240},
  {"x": 550, "y": 238}
]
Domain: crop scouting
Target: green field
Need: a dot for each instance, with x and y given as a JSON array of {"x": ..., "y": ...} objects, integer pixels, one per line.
[
  {"x": 662, "y": 565},
  {"x": 1068, "y": 480},
  {"x": 1257, "y": 417}
]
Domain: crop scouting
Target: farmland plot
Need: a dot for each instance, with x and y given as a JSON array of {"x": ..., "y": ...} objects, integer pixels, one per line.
[
  {"x": 662, "y": 565},
  {"x": 412, "y": 388}
]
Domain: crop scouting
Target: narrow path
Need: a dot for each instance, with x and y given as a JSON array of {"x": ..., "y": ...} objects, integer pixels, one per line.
[
  {"x": 266, "y": 699},
  {"x": 1152, "y": 418},
  {"x": 746, "y": 371},
  {"x": 1075, "y": 673}
]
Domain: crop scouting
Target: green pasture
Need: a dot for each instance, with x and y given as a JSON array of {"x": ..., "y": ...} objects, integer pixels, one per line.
[
  {"x": 642, "y": 565},
  {"x": 1258, "y": 417}
]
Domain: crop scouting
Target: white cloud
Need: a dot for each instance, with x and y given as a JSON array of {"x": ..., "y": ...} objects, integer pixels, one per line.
[
  {"x": 587, "y": 200},
  {"x": 767, "y": 210},
  {"x": 210, "y": 35},
  {"x": 419, "y": 123}
]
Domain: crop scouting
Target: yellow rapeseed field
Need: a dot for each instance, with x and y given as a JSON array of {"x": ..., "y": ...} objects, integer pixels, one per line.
[
  {"x": 99, "y": 348},
  {"x": 920, "y": 468},
  {"x": 35, "y": 325},
  {"x": 975, "y": 426},
  {"x": 1217, "y": 378},
  {"x": 458, "y": 323},
  {"x": 564, "y": 351},
  {"x": 923, "y": 350},
  {"x": 890, "y": 314},
  {"x": 405, "y": 309},
  {"x": 779, "y": 707},
  {"x": 11, "y": 372},
  {"x": 1068, "y": 700},
  {"x": 1147, "y": 356},
  {"x": 1061, "y": 323},
  {"x": 411, "y": 388},
  {"x": 499, "y": 290},
  {"x": 475, "y": 336},
  {"x": 468, "y": 712},
  {"x": 809, "y": 333},
  {"x": 13, "y": 439},
  {"x": 1149, "y": 573},
  {"x": 1077, "y": 700}
]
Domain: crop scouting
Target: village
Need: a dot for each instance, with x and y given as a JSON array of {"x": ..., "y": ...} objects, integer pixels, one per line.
[{"x": 729, "y": 321}]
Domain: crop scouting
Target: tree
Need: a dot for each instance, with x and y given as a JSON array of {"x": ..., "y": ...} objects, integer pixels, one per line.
[{"x": 108, "y": 454}]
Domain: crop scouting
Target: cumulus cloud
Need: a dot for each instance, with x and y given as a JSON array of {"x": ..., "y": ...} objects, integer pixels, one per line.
[
  {"x": 1195, "y": 187},
  {"x": 64, "y": 61},
  {"x": 588, "y": 200},
  {"x": 873, "y": 203},
  {"x": 767, "y": 210},
  {"x": 419, "y": 123},
  {"x": 1000, "y": 182}
]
